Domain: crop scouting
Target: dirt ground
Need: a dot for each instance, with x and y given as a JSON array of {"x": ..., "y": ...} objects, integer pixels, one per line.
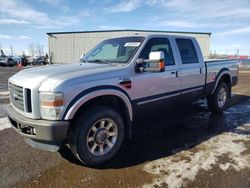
[{"x": 178, "y": 148}]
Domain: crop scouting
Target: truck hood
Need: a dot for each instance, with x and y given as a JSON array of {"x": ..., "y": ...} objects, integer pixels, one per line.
[{"x": 55, "y": 74}]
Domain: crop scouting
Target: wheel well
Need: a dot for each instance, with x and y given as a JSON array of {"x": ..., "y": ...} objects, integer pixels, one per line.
[
  {"x": 227, "y": 80},
  {"x": 111, "y": 101}
]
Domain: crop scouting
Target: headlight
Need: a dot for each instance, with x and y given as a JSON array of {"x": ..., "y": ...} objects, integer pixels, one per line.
[{"x": 51, "y": 105}]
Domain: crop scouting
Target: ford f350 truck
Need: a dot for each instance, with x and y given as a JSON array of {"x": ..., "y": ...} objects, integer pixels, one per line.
[{"x": 91, "y": 105}]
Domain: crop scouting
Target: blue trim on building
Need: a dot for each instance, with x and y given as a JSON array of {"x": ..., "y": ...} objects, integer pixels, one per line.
[{"x": 128, "y": 30}]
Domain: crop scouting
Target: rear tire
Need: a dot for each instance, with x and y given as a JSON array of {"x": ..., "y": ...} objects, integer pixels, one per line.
[
  {"x": 217, "y": 102},
  {"x": 97, "y": 135}
]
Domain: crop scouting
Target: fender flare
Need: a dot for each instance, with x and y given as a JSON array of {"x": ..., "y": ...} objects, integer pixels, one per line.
[
  {"x": 219, "y": 76},
  {"x": 69, "y": 113}
]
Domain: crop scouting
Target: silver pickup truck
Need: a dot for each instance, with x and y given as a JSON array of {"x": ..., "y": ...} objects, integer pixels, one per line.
[{"x": 91, "y": 105}]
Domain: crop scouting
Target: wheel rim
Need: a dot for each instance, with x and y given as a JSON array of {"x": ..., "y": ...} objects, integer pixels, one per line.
[
  {"x": 222, "y": 97},
  {"x": 102, "y": 137}
]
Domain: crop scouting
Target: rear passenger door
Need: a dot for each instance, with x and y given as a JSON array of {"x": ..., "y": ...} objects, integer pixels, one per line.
[{"x": 192, "y": 69}]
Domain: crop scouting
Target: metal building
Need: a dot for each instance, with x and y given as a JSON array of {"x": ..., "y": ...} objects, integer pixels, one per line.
[{"x": 67, "y": 47}]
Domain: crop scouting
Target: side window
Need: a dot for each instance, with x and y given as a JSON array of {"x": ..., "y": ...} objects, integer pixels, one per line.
[
  {"x": 158, "y": 44},
  {"x": 125, "y": 52},
  {"x": 187, "y": 51}
]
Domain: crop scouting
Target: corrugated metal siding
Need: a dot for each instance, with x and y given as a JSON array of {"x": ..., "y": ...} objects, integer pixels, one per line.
[{"x": 68, "y": 47}]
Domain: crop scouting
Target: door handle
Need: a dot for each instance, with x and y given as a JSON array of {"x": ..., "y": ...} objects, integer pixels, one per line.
[{"x": 173, "y": 72}]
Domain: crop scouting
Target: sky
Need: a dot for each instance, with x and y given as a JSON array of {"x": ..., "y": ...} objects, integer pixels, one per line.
[{"x": 23, "y": 22}]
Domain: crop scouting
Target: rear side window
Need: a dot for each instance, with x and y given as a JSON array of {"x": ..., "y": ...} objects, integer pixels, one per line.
[
  {"x": 187, "y": 51},
  {"x": 158, "y": 44}
]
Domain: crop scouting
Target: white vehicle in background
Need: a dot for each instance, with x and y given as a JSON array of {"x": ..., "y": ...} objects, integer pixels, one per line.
[{"x": 7, "y": 61}]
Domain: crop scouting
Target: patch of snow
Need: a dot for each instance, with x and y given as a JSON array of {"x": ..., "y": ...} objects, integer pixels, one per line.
[
  {"x": 4, "y": 93},
  {"x": 176, "y": 170},
  {"x": 4, "y": 123},
  {"x": 184, "y": 165},
  {"x": 175, "y": 173},
  {"x": 202, "y": 103}
]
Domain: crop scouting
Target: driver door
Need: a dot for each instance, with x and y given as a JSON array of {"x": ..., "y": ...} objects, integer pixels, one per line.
[{"x": 160, "y": 89}]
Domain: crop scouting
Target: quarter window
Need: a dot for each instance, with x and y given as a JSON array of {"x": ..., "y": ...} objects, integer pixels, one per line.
[{"x": 187, "y": 51}]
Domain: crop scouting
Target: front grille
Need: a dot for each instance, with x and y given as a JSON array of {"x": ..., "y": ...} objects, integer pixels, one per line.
[{"x": 16, "y": 96}]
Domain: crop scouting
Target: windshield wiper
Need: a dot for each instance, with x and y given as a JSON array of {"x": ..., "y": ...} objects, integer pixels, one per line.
[{"x": 99, "y": 61}]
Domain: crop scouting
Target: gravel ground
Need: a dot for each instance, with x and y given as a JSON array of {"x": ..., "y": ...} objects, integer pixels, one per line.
[
  {"x": 5, "y": 73},
  {"x": 187, "y": 148}
]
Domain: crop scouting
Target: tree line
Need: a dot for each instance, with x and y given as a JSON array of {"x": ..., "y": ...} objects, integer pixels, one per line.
[{"x": 33, "y": 49}]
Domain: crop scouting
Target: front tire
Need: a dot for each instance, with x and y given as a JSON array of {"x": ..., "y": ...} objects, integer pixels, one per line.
[
  {"x": 97, "y": 135},
  {"x": 217, "y": 102}
]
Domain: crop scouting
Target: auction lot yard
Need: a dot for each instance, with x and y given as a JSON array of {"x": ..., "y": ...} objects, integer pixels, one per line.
[{"x": 177, "y": 148}]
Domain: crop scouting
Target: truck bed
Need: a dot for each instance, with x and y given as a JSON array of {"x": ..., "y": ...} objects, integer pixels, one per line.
[{"x": 213, "y": 68}]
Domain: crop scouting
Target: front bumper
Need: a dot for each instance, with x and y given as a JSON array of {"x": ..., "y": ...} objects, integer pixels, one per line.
[{"x": 39, "y": 131}]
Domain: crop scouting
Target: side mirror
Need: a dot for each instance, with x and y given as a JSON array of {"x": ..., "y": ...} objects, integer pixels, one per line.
[{"x": 155, "y": 62}]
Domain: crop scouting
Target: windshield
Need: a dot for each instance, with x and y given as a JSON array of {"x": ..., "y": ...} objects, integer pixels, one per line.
[{"x": 117, "y": 50}]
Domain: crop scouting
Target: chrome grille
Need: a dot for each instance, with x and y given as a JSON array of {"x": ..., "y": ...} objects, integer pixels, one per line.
[{"x": 16, "y": 96}]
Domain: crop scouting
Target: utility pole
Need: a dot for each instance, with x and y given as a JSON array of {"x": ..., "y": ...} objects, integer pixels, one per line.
[
  {"x": 11, "y": 50},
  {"x": 74, "y": 51}
]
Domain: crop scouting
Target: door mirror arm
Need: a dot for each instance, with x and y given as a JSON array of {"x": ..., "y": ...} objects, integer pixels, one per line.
[{"x": 140, "y": 63}]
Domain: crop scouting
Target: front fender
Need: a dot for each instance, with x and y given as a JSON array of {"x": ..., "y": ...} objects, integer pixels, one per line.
[{"x": 74, "y": 108}]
